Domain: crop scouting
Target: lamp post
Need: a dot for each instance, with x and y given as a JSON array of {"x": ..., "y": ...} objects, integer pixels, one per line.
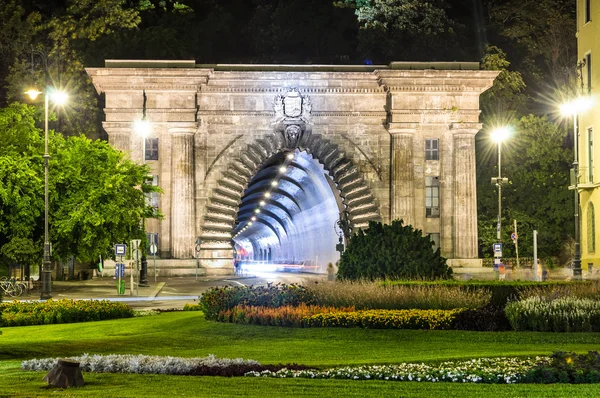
[
  {"x": 59, "y": 98},
  {"x": 499, "y": 135},
  {"x": 143, "y": 128},
  {"x": 572, "y": 108}
]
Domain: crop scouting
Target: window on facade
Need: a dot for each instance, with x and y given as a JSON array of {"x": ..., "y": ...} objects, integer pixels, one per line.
[
  {"x": 435, "y": 238},
  {"x": 590, "y": 133},
  {"x": 151, "y": 149},
  {"x": 152, "y": 197},
  {"x": 587, "y": 11},
  {"x": 591, "y": 229},
  {"x": 588, "y": 69},
  {"x": 432, "y": 197},
  {"x": 432, "y": 149}
]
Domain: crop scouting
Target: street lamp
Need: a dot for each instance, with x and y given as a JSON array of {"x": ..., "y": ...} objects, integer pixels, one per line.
[
  {"x": 499, "y": 135},
  {"x": 143, "y": 128},
  {"x": 58, "y": 98},
  {"x": 572, "y": 108}
]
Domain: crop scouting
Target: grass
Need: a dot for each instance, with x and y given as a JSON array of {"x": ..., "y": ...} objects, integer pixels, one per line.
[{"x": 188, "y": 334}]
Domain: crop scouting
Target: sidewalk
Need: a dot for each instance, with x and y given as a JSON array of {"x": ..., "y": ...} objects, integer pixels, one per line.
[{"x": 167, "y": 292}]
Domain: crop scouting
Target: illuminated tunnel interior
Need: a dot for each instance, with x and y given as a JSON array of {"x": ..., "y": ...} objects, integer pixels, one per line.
[{"x": 287, "y": 214}]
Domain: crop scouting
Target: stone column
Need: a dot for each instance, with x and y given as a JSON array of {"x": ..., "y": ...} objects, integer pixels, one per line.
[
  {"x": 465, "y": 193},
  {"x": 119, "y": 135},
  {"x": 182, "y": 190},
  {"x": 402, "y": 184}
]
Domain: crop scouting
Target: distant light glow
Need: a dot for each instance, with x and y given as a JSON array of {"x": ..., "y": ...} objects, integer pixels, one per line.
[
  {"x": 267, "y": 194},
  {"x": 250, "y": 223},
  {"x": 262, "y": 203},
  {"x": 33, "y": 93},
  {"x": 578, "y": 105},
  {"x": 253, "y": 218},
  {"x": 274, "y": 183},
  {"x": 290, "y": 156},
  {"x": 142, "y": 127},
  {"x": 282, "y": 169},
  {"x": 257, "y": 211},
  {"x": 501, "y": 134},
  {"x": 59, "y": 97}
]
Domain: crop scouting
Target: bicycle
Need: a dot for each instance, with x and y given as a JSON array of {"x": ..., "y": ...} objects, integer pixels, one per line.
[{"x": 11, "y": 288}]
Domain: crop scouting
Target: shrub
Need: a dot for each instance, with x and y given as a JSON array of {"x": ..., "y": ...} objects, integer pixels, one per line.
[
  {"x": 61, "y": 311},
  {"x": 218, "y": 299},
  {"x": 374, "y": 295},
  {"x": 281, "y": 316},
  {"x": 192, "y": 307},
  {"x": 386, "y": 319},
  {"x": 566, "y": 367},
  {"x": 391, "y": 252},
  {"x": 485, "y": 319},
  {"x": 566, "y": 314}
]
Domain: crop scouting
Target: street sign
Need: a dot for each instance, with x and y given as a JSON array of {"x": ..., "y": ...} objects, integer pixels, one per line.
[
  {"x": 135, "y": 243},
  {"x": 497, "y": 249},
  {"x": 120, "y": 249},
  {"x": 136, "y": 254},
  {"x": 198, "y": 248},
  {"x": 153, "y": 249},
  {"x": 514, "y": 236}
]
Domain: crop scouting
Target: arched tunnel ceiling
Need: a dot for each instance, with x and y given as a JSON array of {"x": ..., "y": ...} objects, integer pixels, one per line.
[{"x": 267, "y": 210}]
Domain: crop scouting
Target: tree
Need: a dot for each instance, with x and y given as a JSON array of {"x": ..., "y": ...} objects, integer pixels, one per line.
[
  {"x": 95, "y": 199},
  {"x": 393, "y": 251},
  {"x": 536, "y": 161}
]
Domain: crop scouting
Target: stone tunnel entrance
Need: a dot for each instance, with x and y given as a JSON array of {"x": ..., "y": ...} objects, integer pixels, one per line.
[
  {"x": 381, "y": 142},
  {"x": 287, "y": 215}
]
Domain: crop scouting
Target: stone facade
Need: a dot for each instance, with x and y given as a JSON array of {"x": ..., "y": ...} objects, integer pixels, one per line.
[{"x": 368, "y": 125}]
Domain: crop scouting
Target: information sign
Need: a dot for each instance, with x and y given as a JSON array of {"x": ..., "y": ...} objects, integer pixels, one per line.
[{"x": 120, "y": 249}]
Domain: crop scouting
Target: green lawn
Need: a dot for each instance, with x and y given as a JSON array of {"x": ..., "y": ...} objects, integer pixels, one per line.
[{"x": 188, "y": 334}]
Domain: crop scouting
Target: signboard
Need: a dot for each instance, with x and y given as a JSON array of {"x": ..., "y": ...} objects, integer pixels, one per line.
[
  {"x": 120, "y": 249},
  {"x": 119, "y": 270},
  {"x": 135, "y": 243},
  {"x": 514, "y": 236},
  {"x": 497, "y": 249},
  {"x": 153, "y": 249},
  {"x": 197, "y": 248}
]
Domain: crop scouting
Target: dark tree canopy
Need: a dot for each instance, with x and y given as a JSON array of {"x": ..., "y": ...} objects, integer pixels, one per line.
[{"x": 393, "y": 251}]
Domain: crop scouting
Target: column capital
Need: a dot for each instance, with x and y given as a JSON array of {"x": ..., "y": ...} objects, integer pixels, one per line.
[
  {"x": 403, "y": 128},
  {"x": 184, "y": 128},
  {"x": 465, "y": 128}
]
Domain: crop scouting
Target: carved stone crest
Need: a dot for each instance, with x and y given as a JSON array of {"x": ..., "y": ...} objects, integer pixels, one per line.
[{"x": 292, "y": 105}]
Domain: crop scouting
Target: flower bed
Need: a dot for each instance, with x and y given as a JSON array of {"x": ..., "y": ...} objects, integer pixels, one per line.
[
  {"x": 482, "y": 370},
  {"x": 144, "y": 364},
  {"x": 18, "y": 313},
  {"x": 567, "y": 314},
  {"x": 281, "y": 316},
  {"x": 386, "y": 319}
]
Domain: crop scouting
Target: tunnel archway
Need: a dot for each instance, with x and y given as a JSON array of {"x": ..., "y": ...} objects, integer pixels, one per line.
[{"x": 292, "y": 221}]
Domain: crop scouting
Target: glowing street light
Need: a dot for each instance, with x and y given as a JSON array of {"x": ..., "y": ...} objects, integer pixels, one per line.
[
  {"x": 58, "y": 98},
  {"x": 499, "y": 135},
  {"x": 573, "y": 108}
]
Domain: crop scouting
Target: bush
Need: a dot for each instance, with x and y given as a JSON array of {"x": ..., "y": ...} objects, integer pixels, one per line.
[
  {"x": 374, "y": 295},
  {"x": 566, "y": 367},
  {"x": 386, "y": 319},
  {"x": 566, "y": 314},
  {"x": 391, "y": 252},
  {"x": 486, "y": 319},
  {"x": 192, "y": 307},
  {"x": 281, "y": 316},
  {"x": 61, "y": 311},
  {"x": 218, "y": 299}
]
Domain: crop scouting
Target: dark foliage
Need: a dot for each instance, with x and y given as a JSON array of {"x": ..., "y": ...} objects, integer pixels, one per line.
[
  {"x": 393, "y": 251},
  {"x": 241, "y": 370},
  {"x": 566, "y": 367},
  {"x": 487, "y": 319},
  {"x": 218, "y": 299}
]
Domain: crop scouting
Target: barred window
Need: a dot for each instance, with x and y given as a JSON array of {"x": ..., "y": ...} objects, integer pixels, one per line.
[
  {"x": 152, "y": 197},
  {"x": 151, "y": 149},
  {"x": 432, "y": 197},
  {"x": 432, "y": 149}
]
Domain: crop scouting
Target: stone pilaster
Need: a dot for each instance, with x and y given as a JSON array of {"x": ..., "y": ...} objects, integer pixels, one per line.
[
  {"x": 465, "y": 194},
  {"x": 119, "y": 135},
  {"x": 402, "y": 184},
  {"x": 182, "y": 189}
]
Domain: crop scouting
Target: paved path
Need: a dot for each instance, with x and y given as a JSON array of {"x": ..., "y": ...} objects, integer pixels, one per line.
[{"x": 166, "y": 292}]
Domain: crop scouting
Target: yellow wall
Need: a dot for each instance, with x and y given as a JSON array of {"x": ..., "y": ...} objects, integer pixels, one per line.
[{"x": 588, "y": 42}]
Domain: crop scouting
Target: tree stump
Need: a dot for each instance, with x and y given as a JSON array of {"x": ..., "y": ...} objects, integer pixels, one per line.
[{"x": 65, "y": 374}]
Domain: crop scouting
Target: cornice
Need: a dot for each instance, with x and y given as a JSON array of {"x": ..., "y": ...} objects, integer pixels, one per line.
[{"x": 281, "y": 90}]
